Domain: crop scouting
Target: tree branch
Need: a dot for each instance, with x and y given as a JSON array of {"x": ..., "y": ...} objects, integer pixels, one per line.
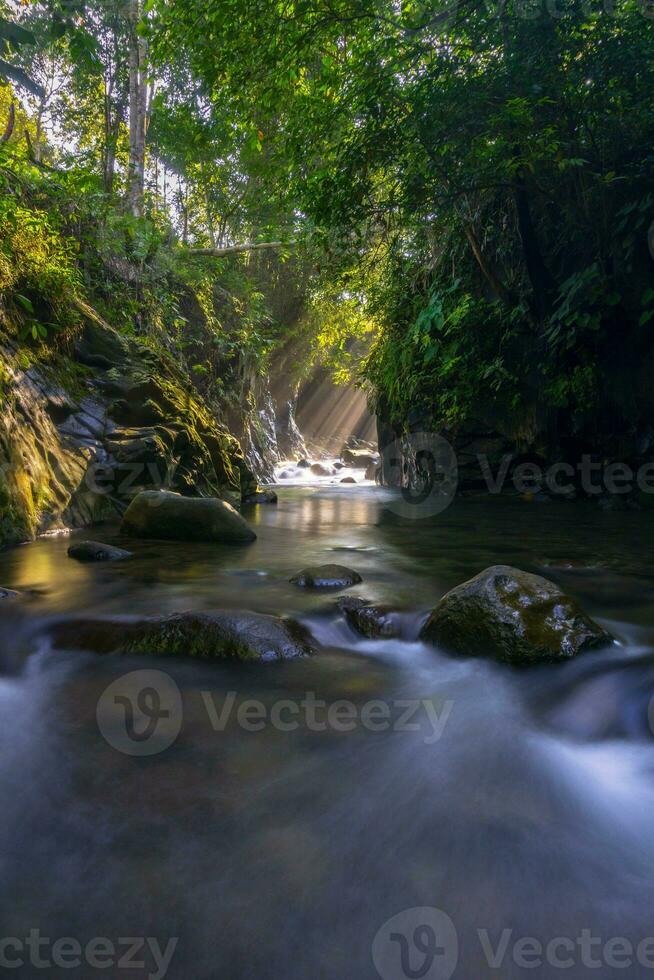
[
  {"x": 10, "y": 124},
  {"x": 234, "y": 249}
]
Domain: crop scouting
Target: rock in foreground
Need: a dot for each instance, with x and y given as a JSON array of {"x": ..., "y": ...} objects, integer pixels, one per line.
[
  {"x": 326, "y": 577},
  {"x": 243, "y": 636},
  {"x": 96, "y": 551},
  {"x": 514, "y": 617},
  {"x": 160, "y": 514}
]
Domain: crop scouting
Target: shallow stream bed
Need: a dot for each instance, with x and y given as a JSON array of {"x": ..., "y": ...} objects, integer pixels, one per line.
[{"x": 518, "y": 804}]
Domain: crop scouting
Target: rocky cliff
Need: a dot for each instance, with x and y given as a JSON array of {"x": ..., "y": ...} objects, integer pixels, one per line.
[{"x": 82, "y": 431}]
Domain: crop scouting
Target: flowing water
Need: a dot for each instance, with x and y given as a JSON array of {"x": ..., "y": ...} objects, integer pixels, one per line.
[{"x": 517, "y": 803}]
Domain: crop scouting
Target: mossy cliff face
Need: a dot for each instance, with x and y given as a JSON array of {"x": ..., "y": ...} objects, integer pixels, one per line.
[
  {"x": 38, "y": 471},
  {"x": 81, "y": 433}
]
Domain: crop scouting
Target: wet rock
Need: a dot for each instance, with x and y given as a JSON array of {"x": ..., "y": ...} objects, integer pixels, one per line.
[
  {"x": 244, "y": 636},
  {"x": 326, "y": 577},
  {"x": 338, "y": 465},
  {"x": 368, "y": 619},
  {"x": 320, "y": 469},
  {"x": 165, "y": 515},
  {"x": 303, "y": 464},
  {"x": 96, "y": 551},
  {"x": 288, "y": 474},
  {"x": 348, "y": 479},
  {"x": 512, "y": 616},
  {"x": 261, "y": 497},
  {"x": 8, "y": 593}
]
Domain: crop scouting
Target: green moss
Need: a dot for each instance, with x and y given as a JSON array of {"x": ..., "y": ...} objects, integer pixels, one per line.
[
  {"x": 67, "y": 374},
  {"x": 25, "y": 359},
  {"x": 190, "y": 636}
]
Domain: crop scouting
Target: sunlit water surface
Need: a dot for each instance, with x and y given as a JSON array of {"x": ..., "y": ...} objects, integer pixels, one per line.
[{"x": 278, "y": 855}]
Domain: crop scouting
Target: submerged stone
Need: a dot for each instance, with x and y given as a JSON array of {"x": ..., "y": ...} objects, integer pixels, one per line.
[
  {"x": 512, "y": 616},
  {"x": 261, "y": 497},
  {"x": 95, "y": 551},
  {"x": 326, "y": 577},
  {"x": 165, "y": 515}
]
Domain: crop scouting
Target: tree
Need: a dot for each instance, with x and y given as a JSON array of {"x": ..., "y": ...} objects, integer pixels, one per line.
[
  {"x": 139, "y": 107},
  {"x": 473, "y": 172}
]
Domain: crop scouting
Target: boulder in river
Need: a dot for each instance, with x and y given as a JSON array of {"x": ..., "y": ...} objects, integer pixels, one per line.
[
  {"x": 303, "y": 464},
  {"x": 512, "y": 616},
  {"x": 321, "y": 469},
  {"x": 96, "y": 551},
  {"x": 165, "y": 515},
  {"x": 368, "y": 619},
  {"x": 326, "y": 577},
  {"x": 348, "y": 479},
  {"x": 244, "y": 636},
  {"x": 359, "y": 459}
]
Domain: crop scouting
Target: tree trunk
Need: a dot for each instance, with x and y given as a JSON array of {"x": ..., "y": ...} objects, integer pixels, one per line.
[
  {"x": 138, "y": 109},
  {"x": 495, "y": 284}
]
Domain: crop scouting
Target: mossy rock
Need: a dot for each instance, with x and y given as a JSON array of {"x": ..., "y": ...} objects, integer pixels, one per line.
[
  {"x": 203, "y": 458},
  {"x": 512, "y": 616},
  {"x": 99, "y": 345},
  {"x": 243, "y": 636},
  {"x": 169, "y": 516}
]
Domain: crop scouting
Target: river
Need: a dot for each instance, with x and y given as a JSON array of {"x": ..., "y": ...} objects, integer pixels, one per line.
[{"x": 512, "y": 809}]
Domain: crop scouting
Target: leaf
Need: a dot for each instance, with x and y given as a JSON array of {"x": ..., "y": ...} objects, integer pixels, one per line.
[{"x": 25, "y": 302}]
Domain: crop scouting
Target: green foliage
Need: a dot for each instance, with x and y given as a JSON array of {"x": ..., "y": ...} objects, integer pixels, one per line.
[
  {"x": 470, "y": 194},
  {"x": 39, "y": 276}
]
